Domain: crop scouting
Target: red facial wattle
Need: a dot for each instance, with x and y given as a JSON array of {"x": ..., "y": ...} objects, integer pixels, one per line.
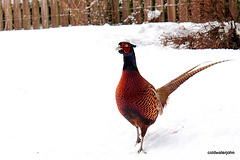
[{"x": 125, "y": 47}]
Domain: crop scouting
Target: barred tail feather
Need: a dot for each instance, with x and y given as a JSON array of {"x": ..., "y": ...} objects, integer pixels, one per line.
[{"x": 170, "y": 87}]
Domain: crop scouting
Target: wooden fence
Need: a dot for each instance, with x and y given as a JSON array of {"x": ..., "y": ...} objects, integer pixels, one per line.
[{"x": 35, "y": 14}]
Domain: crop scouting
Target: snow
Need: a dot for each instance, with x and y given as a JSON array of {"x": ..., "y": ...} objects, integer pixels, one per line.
[
  {"x": 57, "y": 96},
  {"x": 153, "y": 14}
]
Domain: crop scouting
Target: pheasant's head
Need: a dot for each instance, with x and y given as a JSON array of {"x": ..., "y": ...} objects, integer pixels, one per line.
[
  {"x": 129, "y": 58},
  {"x": 125, "y": 48}
]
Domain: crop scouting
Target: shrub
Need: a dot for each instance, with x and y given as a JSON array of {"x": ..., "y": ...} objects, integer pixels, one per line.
[{"x": 220, "y": 35}]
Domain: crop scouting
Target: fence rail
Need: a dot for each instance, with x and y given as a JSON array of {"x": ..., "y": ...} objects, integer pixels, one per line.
[{"x": 36, "y": 14}]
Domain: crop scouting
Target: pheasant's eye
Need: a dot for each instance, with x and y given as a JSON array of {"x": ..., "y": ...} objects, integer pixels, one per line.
[{"x": 124, "y": 45}]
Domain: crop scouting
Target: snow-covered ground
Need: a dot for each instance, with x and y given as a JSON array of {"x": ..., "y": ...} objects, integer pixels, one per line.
[{"x": 57, "y": 96}]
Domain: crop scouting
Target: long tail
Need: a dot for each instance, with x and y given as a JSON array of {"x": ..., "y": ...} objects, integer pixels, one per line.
[{"x": 168, "y": 88}]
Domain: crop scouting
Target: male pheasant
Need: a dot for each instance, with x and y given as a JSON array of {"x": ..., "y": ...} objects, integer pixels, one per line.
[{"x": 137, "y": 100}]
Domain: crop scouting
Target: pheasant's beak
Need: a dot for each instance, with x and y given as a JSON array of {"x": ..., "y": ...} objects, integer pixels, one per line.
[{"x": 119, "y": 48}]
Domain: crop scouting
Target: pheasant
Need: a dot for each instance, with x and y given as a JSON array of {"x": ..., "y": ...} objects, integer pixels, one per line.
[{"x": 137, "y": 100}]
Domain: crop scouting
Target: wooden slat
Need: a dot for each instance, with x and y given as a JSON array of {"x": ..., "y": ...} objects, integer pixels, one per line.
[
  {"x": 64, "y": 12},
  {"x": 73, "y": 12},
  {"x": 35, "y": 14},
  {"x": 1, "y": 16},
  {"x": 103, "y": 11},
  {"x": 26, "y": 15},
  {"x": 115, "y": 9},
  {"x": 94, "y": 12},
  {"x": 171, "y": 9},
  {"x": 83, "y": 14},
  {"x": 44, "y": 13},
  {"x": 205, "y": 15},
  {"x": 54, "y": 13},
  {"x": 137, "y": 11},
  {"x": 125, "y": 11},
  {"x": 97, "y": 11},
  {"x": 195, "y": 11},
  {"x": 8, "y": 14},
  {"x": 221, "y": 7},
  {"x": 183, "y": 11},
  {"x": 233, "y": 9},
  {"x": 160, "y": 7},
  {"x": 17, "y": 15},
  {"x": 147, "y": 9}
]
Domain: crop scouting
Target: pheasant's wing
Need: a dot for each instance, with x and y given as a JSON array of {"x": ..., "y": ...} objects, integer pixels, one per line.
[
  {"x": 168, "y": 88},
  {"x": 148, "y": 103}
]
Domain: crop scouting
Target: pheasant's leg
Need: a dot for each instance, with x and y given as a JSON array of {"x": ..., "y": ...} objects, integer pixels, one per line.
[
  {"x": 141, "y": 147},
  {"x": 138, "y": 137},
  {"x": 143, "y": 132}
]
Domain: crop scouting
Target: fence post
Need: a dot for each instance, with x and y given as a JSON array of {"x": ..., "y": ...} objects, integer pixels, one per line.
[
  {"x": 26, "y": 15},
  {"x": 83, "y": 20},
  {"x": 104, "y": 13},
  {"x": 233, "y": 9},
  {"x": 73, "y": 13},
  {"x": 54, "y": 13},
  {"x": 147, "y": 9},
  {"x": 196, "y": 11},
  {"x": 64, "y": 12},
  {"x": 35, "y": 14},
  {"x": 183, "y": 11},
  {"x": 137, "y": 11},
  {"x": 8, "y": 14},
  {"x": 94, "y": 14},
  {"x": 160, "y": 7},
  {"x": 45, "y": 13},
  {"x": 102, "y": 6},
  {"x": 171, "y": 9},
  {"x": 17, "y": 15},
  {"x": 1, "y": 16},
  {"x": 125, "y": 11},
  {"x": 221, "y": 7},
  {"x": 115, "y": 6}
]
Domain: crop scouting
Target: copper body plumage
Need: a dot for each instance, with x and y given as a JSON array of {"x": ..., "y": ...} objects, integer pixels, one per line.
[{"x": 137, "y": 100}]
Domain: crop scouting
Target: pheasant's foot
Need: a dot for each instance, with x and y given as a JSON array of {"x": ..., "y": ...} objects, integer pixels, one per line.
[
  {"x": 141, "y": 147},
  {"x": 141, "y": 150}
]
